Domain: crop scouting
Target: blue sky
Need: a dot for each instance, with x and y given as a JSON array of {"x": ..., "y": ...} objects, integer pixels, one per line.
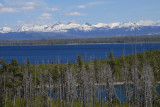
[{"x": 38, "y": 12}]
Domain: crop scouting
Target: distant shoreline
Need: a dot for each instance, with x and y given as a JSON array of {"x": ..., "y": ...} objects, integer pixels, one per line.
[
  {"x": 79, "y": 44},
  {"x": 83, "y": 41},
  {"x": 121, "y": 83}
]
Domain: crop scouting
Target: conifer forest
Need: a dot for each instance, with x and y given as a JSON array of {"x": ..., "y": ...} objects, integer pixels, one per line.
[{"x": 83, "y": 84}]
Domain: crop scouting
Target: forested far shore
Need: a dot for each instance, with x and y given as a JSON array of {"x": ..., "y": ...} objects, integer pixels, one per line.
[
  {"x": 82, "y": 83},
  {"x": 90, "y": 40}
]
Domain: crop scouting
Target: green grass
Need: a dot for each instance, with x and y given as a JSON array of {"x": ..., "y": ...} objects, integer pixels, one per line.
[{"x": 39, "y": 102}]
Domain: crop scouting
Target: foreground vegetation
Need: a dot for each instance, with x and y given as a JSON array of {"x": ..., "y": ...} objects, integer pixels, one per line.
[
  {"x": 76, "y": 84},
  {"x": 91, "y": 40}
]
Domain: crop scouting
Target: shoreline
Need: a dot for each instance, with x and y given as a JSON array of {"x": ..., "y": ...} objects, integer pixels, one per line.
[
  {"x": 82, "y": 44},
  {"x": 114, "y": 83},
  {"x": 121, "y": 83}
]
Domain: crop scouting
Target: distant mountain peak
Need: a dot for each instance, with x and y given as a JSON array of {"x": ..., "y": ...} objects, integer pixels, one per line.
[
  {"x": 87, "y": 27},
  {"x": 70, "y": 23},
  {"x": 88, "y": 24},
  {"x": 58, "y": 23}
]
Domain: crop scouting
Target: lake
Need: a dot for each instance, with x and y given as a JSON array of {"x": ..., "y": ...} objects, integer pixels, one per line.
[
  {"x": 68, "y": 53},
  {"x": 119, "y": 91}
]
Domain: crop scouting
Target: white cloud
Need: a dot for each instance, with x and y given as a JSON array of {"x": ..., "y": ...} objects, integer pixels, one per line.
[
  {"x": 8, "y": 10},
  {"x": 76, "y": 14},
  {"x": 19, "y": 21},
  {"x": 17, "y": 7},
  {"x": 21, "y": 6},
  {"x": 81, "y": 6},
  {"x": 158, "y": 21},
  {"x": 45, "y": 16},
  {"x": 27, "y": 8},
  {"x": 1, "y": 5},
  {"x": 146, "y": 22},
  {"x": 52, "y": 9},
  {"x": 23, "y": 3},
  {"x": 31, "y": 4},
  {"x": 15, "y": 10},
  {"x": 96, "y": 3},
  {"x": 90, "y": 4}
]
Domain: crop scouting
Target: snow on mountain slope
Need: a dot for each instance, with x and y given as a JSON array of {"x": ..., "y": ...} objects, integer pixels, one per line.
[
  {"x": 59, "y": 27},
  {"x": 5, "y": 29},
  {"x": 69, "y": 30},
  {"x": 99, "y": 25}
]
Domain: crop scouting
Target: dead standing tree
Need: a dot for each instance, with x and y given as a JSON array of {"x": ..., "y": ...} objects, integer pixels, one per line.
[
  {"x": 70, "y": 84},
  {"x": 59, "y": 84},
  {"x": 4, "y": 82},
  {"x": 92, "y": 82},
  {"x": 79, "y": 75},
  {"x": 147, "y": 78},
  {"x": 84, "y": 86},
  {"x": 31, "y": 89},
  {"x": 26, "y": 86},
  {"x": 89, "y": 84},
  {"x": 109, "y": 85},
  {"x": 43, "y": 86},
  {"x": 100, "y": 84},
  {"x": 136, "y": 82},
  {"x": 126, "y": 79},
  {"x": 50, "y": 84}
]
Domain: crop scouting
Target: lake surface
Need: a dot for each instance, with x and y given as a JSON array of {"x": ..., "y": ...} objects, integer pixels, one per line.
[
  {"x": 119, "y": 92},
  {"x": 69, "y": 53}
]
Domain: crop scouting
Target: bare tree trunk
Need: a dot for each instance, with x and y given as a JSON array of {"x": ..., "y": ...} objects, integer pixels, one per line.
[
  {"x": 147, "y": 78},
  {"x": 126, "y": 78},
  {"x": 35, "y": 85},
  {"x": 25, "y": 86},
  {"x": 120, "y": 96},
  {"x": 14, "y": 102},
  {"x": 5, "y": 97},
  {"x": 93, "y": 94},
  {"x": 4, "y": 85},
  {"x": 50, "y": 87},
  {"x": 59, "y": 84},
  {"x": 30, "y": 89},
  {"x": 136, "y": 82}
]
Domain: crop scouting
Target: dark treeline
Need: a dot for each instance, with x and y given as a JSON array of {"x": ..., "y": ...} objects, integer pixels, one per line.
[
  {"x": 76, "y": 84},
  {"x": 53, "y": 41}
]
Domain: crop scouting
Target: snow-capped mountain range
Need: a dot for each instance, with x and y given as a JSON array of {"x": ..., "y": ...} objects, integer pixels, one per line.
[{"x": 79, "y": 30}]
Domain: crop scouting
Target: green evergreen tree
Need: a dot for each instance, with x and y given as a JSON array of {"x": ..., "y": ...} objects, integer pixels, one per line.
[{"x": 79, "y": 61}]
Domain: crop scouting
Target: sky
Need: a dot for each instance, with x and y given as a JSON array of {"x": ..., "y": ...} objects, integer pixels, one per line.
[{"x": 40, "y": 12}]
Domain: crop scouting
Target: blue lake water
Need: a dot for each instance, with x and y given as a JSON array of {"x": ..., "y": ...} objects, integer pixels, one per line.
[
  {"x": 69, "y": 53},
  {"x": 119, "y": 92}
]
